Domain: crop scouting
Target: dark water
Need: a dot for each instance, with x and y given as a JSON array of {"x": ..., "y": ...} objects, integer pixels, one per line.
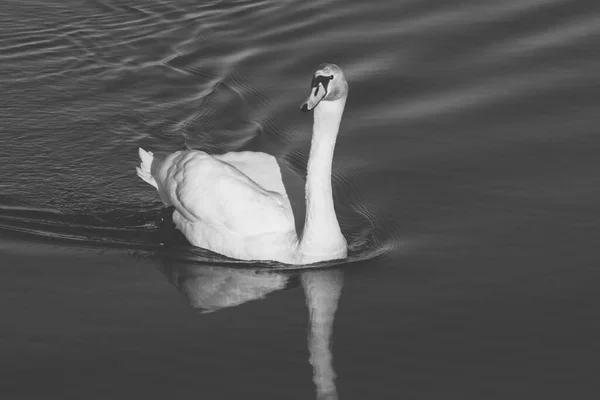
[{"x": 466, "y": 179}]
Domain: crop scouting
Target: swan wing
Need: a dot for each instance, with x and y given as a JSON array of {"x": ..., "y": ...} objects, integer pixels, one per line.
[
  {"x": 208, "y": 190},
  {"x": 262, "y": 168}
]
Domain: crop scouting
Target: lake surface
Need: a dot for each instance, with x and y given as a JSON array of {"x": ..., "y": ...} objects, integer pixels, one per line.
[{"x": 466, "y": 180}]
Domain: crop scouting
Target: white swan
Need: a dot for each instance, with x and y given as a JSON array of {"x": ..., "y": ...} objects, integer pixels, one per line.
[{"x": 235, "y": 204}]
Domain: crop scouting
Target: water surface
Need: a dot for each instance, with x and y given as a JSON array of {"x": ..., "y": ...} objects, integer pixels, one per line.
[{"x": 465, "y": 179}]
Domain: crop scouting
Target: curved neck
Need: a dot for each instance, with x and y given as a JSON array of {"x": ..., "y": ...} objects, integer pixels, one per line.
[{"x": 322, "y": 238}]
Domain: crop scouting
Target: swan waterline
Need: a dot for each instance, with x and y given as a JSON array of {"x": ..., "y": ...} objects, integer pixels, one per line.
[{"x": 235, "y": 204}]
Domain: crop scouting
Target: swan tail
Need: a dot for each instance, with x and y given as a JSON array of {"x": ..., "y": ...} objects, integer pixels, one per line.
[{"x": 144, "y": 171}]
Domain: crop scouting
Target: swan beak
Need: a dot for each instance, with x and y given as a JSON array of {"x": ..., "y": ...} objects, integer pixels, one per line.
[{"x": 314, "y": 98}]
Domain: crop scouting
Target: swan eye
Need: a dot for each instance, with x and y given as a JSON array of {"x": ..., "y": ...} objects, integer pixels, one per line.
[{"x": 323, "y": 80}]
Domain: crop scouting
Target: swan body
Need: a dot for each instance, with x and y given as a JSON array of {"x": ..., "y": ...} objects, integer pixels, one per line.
[{"x": 236, "y": 204}]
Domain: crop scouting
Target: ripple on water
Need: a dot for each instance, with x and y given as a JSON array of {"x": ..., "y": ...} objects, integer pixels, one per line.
[
  {"x": 145, "y": 234},
  {"x": 89, "y": 82}
]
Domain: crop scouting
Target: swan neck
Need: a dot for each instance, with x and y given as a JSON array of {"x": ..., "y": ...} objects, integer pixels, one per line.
[{"x": 322, "y": 238}]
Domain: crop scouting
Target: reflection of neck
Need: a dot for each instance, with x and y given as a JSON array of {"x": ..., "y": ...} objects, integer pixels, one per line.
[
  {"x": 322, "y": 290},
  {"x": 322, "y": 238}
]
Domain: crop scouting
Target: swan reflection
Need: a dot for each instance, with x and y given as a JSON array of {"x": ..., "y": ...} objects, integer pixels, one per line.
[{"x": 210, "y": 288}]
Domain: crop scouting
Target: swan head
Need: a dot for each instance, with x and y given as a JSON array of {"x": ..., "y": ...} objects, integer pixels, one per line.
[{"x": 328, "y": 84}]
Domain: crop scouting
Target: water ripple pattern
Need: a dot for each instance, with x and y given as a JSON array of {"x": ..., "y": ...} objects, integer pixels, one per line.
[{"x": 433, "y": 86}]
